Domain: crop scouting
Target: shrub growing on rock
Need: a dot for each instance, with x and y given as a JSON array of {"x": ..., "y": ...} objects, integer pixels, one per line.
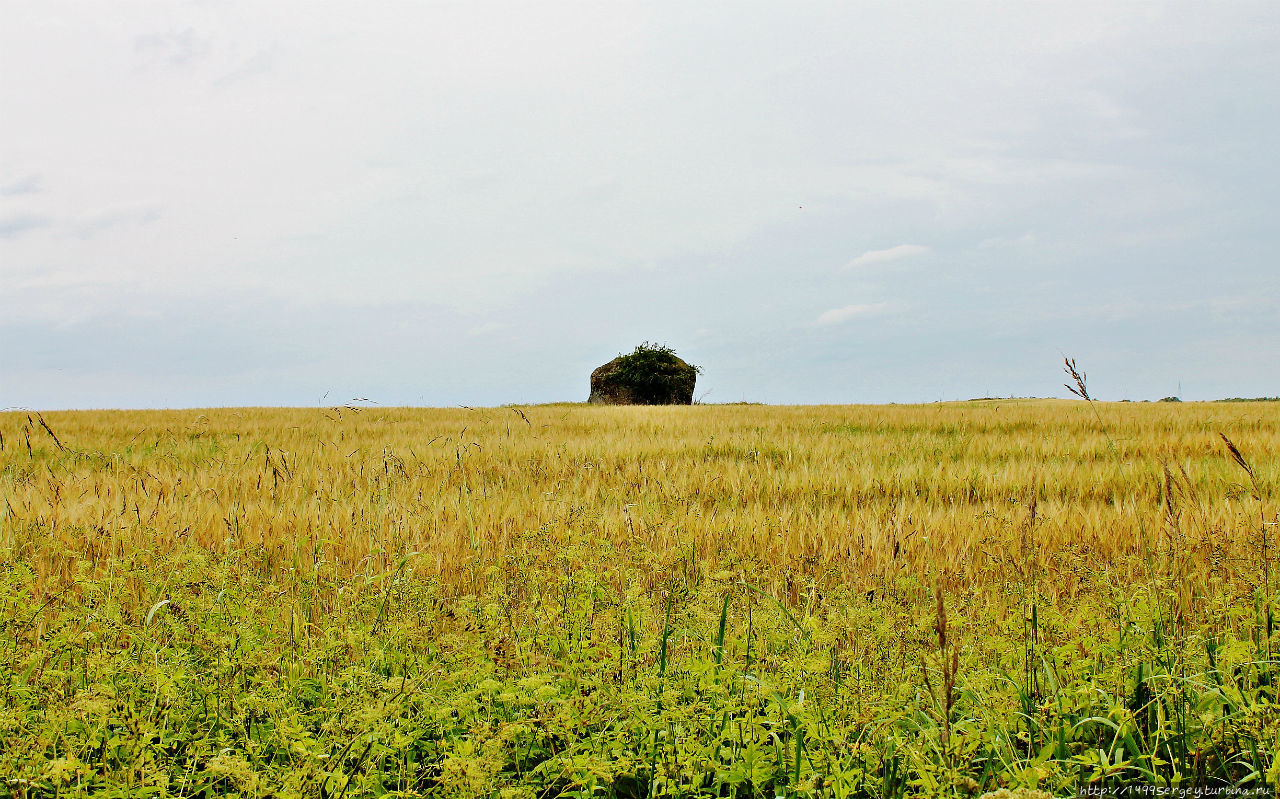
[{"x": 651, "y": 375}]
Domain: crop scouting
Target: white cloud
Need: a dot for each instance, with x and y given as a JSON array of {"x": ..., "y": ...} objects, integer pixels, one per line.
[
  {"x": 892, "y": 254},
  {"x": 109, "y": 218},
  {"x": 25, "y": 185},
  {"x": 485, "y": 328},
  {"x": 837, "y": 316},
  {"x": 17, "y": 224},
  {"x": 1027, "y": 238},
  {"x": 261, "y": 63},
  {"x": 174, "y": 49}
]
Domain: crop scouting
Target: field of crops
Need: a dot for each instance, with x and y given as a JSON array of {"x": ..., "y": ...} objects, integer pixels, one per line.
[{"x": 572, "y": 600}]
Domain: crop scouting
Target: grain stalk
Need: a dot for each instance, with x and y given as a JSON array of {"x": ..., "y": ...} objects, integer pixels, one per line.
[{"x": 948, "y": 657}]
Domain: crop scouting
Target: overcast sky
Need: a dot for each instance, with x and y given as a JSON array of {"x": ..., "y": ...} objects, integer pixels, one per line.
[{"x": 282, "y": 203}]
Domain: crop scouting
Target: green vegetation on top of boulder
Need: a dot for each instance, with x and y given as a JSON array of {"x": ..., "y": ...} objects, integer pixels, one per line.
[{"x": 652, "y": 374}]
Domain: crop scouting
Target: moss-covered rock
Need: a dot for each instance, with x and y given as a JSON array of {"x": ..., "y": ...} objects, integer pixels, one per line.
[{"x": 651, "y": 375}]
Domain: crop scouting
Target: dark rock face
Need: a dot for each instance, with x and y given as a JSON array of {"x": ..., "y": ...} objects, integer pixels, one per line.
[{"x": 665, "y": 380}]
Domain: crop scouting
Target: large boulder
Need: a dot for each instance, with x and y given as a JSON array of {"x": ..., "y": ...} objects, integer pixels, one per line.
[{"x": 652, "y": 375}]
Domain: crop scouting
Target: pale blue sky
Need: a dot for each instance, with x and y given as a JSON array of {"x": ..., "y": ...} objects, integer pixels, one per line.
[{"x": 246, "y": 203}]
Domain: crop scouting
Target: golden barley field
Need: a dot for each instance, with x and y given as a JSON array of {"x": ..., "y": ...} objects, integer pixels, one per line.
[{"x": 572, "y": 600}]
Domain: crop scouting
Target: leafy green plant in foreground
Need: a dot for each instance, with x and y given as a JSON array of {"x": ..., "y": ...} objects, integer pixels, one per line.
[{"x": 716, "y": 692}]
